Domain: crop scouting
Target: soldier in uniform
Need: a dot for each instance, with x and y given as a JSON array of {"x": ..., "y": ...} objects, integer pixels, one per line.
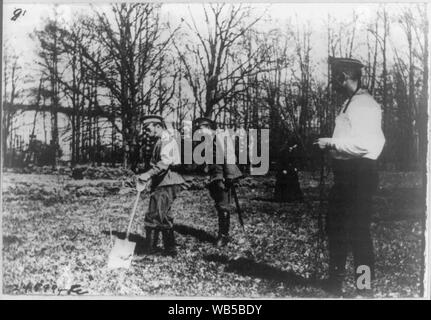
[
  {"x": 222, "y": 178},
  {"x": 165, "y": 185},
  {"x": 356, "y": 144}
]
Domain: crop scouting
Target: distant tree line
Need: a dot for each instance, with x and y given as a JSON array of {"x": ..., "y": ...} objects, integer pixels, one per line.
[{"x": 107, "y": 69}]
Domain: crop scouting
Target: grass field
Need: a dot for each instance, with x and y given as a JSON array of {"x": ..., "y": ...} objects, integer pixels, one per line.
[{"x": 57, "y": 235}]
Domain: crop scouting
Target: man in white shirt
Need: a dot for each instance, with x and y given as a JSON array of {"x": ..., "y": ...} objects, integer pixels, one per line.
[{"x": 355, "y": 145}]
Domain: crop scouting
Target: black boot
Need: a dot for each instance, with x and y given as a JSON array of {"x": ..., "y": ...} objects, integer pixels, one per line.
[
  {"x": 151, "y": 239},
  {"x": 334, "y": 284},
  {"x": 333, "y": 287},
  {"x": 223, "y": 229},
  {"x": 155, "y": 240},
  {"x": 169, "y": 243}
]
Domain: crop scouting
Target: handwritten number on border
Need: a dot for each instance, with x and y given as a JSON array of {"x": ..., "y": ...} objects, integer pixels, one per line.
[{"x": 17, "y": 13}]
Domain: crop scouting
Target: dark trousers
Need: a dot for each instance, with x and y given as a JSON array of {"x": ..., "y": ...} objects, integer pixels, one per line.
[
  {"x": 349, "y": 215},
  {"x": 221, "y": 199},
  {"x": 159, "y": 215}
]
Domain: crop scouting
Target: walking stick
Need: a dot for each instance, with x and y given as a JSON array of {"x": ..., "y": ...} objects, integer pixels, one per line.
[
  {"x": 240, "y": 218},
  {"x": 320, "y": 231},
  {"x": 238, "y": 208}
]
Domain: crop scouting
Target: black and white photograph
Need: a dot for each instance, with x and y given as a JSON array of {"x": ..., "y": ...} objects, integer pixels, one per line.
[{"x": 214, "y": 150}]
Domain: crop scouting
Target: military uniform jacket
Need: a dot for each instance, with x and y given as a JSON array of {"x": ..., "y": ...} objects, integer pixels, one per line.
[
  {"x": 227, "y": 170},
  {"x": 165, "y": 155}
]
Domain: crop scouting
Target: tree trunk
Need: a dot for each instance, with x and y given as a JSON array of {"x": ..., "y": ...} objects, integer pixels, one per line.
[
  {"x": 386, "y": 115},
  {"x": 423, "y": 143}
]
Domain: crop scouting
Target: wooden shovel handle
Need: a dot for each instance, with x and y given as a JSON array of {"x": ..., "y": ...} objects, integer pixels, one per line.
[{"x": 133, "y": 214}]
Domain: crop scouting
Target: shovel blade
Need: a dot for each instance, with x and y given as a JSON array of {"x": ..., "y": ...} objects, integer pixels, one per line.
[{"x": 121, "y": 254}]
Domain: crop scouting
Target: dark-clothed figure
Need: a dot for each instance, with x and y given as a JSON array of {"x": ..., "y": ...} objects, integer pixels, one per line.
[
  {"x": 222, "y": 177},
  {"x": 356, "y": 144},
  {"x": 287, "y": 187},
  {"x": 165, "y": 185}
]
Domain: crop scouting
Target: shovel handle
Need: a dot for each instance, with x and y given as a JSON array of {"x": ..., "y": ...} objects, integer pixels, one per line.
[{"x": 135, "y": 205}]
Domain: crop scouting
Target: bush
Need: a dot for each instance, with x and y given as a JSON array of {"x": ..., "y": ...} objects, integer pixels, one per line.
[{"x": 106, "y": 173}]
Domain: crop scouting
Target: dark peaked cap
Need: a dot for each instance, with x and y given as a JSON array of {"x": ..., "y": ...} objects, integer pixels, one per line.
[
  {"x": 146, "y": 120},
  {"x": 204, "y": 121},
  {"x": 345, "y": 63}
]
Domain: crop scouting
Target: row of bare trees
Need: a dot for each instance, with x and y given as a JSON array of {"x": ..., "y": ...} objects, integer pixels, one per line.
[{"x": 108, "y": 68}]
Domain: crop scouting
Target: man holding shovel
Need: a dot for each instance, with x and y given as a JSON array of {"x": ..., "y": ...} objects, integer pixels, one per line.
[{"x": 165, "y": 185}]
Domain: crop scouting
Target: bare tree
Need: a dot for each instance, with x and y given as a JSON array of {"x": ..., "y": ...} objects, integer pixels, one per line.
[
  {"x": 372, "y": 62},
  {"x": 384, "y": 46},
  {"x": 12, "y": 76},
  {"x": 129, "y": 60},
  {"x": 49, "y": 59},
  {"x": 423, "y": 54},
  {"x": 213, "y": 84},
  {"x": 273, "y": 84},
  {"x": 74, "y": 87},
  {"x": 407, "y": 107},
  {"x": 303, "y": 49}
]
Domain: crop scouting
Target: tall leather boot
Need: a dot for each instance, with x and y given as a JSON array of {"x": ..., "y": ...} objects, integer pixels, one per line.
[
  {"x": 151, "y": 239},
  {"x": 223, "y": 228},
  {"x": 155, "y": 240},
  {"x": 334, "y": 284},
  {"x": 169, "y": 243}
]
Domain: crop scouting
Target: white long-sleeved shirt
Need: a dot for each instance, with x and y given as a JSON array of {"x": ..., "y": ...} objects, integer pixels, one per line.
[{"x": 358, "y": 131}]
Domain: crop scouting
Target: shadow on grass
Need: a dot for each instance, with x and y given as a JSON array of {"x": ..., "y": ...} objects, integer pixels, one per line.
[
  {"x": 141, "y": 247},
  {"x": 248, "y": 267},
  {"x": 199, "y": 234},
  {"x": 291, "y": 201}
]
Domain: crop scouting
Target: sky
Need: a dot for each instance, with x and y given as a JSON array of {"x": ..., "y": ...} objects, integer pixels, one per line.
[{"x": 17, "y": 33}]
